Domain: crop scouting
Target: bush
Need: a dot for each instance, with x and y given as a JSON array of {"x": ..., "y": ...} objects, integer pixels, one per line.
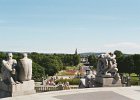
[
  {"x": 134, "y": 80},
  {"x": 74, "y": 81}
]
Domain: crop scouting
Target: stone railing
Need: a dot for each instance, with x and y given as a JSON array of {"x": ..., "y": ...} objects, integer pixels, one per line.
[{"x": 53, "y": 88}]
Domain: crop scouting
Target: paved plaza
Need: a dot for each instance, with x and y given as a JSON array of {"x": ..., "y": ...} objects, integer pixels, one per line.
[{"x": 104, "y": 93}]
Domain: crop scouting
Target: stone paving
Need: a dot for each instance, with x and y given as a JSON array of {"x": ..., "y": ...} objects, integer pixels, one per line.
[{"x": 104, "y": 93}]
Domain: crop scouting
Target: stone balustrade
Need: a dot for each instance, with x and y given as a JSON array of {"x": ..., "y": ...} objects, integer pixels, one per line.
[{"x": 53, "y": 88}]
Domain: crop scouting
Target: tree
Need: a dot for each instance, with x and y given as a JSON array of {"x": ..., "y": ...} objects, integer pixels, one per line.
[
  {"x": 92, "y": 60},
  {"x": 120, "y": 61},
  {"x": 51, "y": 64},
  {"x": 129, "y": 64},
  {"x": 126, "y": 64},
  {"x": 52, "y": 70},
  {"x": 136, "y": 58},
  {"x": 118, "y": 53},
  {"x": 76, "y": 59},
  {"x": 38, "y": 72},
  {"x": 121, "y": 65}
]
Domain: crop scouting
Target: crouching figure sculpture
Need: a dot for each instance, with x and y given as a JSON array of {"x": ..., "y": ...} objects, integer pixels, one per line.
[{"x": 107, "y": 66}]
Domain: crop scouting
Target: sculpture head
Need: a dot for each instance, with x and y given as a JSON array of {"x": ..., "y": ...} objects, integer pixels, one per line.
[
  {"x": 88, "y": 71},
  {"x": 110, "y": 53},
  {"x": 10, "y": 55},
  {"x": 25, "y": 55}
]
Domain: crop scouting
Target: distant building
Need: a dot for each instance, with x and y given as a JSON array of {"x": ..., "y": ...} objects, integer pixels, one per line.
[
  {"x": 76, "y": 52},
  {"x": 84, "y": 59}
]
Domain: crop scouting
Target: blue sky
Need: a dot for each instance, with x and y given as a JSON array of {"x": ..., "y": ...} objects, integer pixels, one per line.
[{"x": 61, "y": 26}]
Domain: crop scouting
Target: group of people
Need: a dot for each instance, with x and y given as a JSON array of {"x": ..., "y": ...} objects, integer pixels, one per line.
[
  {"x": 14, "y": 72},
  {"x": 64, "y": 86}
]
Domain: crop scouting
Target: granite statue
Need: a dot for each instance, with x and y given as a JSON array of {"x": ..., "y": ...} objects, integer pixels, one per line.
[
  {"x": 107, "y": 66},
  {"x": 25, "y": 65},
  {"x": 16, "y": 77},
  {"x": 88, "y": 81},
  {"x": 9, "y": 72}
]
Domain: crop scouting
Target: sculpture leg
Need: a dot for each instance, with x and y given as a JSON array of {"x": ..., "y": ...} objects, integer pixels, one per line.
[
  {"x": 25, "y": 73},
  {"x": 12, "y": 81},
  {"x": 29, "y": 77}
]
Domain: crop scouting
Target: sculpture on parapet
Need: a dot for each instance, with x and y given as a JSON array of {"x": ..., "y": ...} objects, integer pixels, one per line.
[
  {"x": 9, "y": 70},
  {"x": 107, "y": 66},
  {"x": 88, "y": 81},
  {"x": 16, "y": 80},
  {"x": 13, "y": 73},
  {"x": 25, "y": 64}
]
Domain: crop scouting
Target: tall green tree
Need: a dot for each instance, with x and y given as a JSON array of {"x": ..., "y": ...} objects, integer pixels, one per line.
[
  {"x": 129, "y": 64},
  {"x": 92, "y": 60},
  {"x": 120, "y": 61},
  {"x": 38, "y": 72},
  {"x": 136, "y": 59},
  {"x": 118, "y": 53},
  {"x": 76, "y": 59}
]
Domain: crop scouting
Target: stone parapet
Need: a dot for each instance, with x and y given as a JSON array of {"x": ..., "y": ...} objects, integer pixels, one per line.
[
  {"x": 108, "y": 82},
  {"x": 27, "y": 87}
]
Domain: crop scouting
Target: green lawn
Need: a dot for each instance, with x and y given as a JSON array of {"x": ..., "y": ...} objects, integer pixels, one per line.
[{"x": 71, "y": 68}]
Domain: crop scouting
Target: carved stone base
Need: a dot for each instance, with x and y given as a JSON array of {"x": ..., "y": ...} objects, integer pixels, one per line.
[
  {"x": 108, "y": 82},
  {"x": 27, "y": 87}
]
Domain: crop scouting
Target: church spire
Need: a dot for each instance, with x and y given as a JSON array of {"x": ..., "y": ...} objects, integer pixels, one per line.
[{"x": 76, "y": 52}]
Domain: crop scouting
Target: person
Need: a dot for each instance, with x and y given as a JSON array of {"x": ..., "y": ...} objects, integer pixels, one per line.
[
  {"x": 9, "y": 74},
  {"x": 67, "y": 86}
]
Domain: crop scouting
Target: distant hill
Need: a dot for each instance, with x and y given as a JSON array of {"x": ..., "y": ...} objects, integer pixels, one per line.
[
  {"x": 81, "y": 54},
  {"x": 96, "y": 54},
  {"x": 90, "y": 53}
]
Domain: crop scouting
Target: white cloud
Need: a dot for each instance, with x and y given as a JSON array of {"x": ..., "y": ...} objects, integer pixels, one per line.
[
  {"x": 126, "y": 47},
  {"x": 123, "y": 44}
]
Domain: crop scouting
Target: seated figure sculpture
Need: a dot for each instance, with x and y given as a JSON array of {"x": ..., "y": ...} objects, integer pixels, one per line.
[
  {"x": 107, "y": 66},
  {"x": 88, "y": 81},
  {"x": 12, "y": 75},
  {"x": 9, "y": 74},
  {"x": 25, "y": 73}
]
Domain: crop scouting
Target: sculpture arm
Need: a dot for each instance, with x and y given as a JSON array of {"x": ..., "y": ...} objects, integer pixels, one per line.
[
  {"x": 106, "y": 62},
  {"x": 6, "y": 65},
  {"x": 112, "y": 57},
  {"x": 14, "y": 62}
]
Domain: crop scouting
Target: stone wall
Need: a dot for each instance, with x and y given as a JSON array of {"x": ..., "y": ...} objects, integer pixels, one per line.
[{"x": 27, "y": 87}]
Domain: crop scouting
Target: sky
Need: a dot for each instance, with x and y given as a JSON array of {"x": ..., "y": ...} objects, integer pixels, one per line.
[{"x": 61, "y": 26}]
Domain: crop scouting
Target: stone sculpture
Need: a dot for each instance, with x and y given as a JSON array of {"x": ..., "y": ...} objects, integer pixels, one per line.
[
  {"x": 107, "y": 68},
  {"x": 25, "y": 73},
  {"x": 9, "y": 74},
  {"x": 107, "y": 65},
  {"x": 88, "y": 80}
]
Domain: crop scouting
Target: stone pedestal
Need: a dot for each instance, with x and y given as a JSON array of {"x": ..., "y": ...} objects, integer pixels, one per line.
[
  {"x": 108, "y": 82},
  {"x": 27, "y": 87}
]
